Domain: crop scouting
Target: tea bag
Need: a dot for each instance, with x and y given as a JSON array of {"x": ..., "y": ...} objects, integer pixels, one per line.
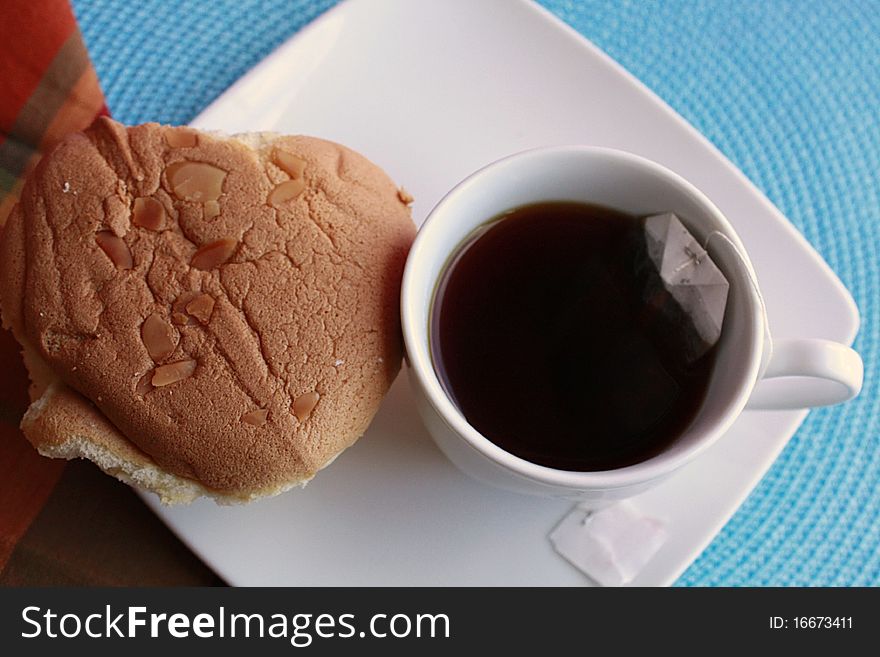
[{"x": 683, "y": 284}]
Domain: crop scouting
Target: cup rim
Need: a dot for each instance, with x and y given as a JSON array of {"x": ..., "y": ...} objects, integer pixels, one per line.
[{"x": 417, "y": 339}]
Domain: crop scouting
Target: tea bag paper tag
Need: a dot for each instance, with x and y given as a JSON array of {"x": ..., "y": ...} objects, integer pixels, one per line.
[{"x": 610, "y": 545}]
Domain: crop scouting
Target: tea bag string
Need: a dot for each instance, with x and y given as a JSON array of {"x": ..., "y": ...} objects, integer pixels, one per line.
[
  {"x": 697, "y": 258},
  {"x": 742, "y": 260}
]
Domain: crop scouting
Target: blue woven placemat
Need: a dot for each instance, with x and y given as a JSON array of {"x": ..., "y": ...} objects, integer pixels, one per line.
[{"x": 789, "y": 91}]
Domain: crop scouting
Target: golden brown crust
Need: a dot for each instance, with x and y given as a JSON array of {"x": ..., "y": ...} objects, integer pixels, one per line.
[{"x": 305, "y": 302}]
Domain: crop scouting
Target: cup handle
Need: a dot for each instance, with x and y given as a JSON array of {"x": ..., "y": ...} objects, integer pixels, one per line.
[{"x": 819, "y": 373}]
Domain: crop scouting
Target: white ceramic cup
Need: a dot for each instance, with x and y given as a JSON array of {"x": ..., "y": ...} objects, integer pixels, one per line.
[{"x": 822, "y": 372}]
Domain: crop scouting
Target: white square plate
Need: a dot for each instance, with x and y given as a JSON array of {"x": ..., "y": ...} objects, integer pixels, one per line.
[{"x": 432, "y": 90}]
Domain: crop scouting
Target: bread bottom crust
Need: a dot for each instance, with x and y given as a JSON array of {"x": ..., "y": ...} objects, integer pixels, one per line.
[{"x": 61, "y": 423}]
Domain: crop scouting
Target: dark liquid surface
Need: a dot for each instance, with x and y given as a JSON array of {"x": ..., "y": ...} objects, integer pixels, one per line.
[{"x": 541, "y": 336}]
